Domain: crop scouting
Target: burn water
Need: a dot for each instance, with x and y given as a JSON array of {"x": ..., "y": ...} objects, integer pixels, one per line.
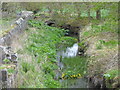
[{"x": 70, "y": 52}]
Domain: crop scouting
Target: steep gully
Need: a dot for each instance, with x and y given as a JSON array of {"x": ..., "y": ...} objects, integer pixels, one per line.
[{"x": 68, "y": 53}]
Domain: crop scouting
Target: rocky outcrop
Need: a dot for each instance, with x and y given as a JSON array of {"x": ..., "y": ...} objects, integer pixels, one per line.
[
  {"x": 19, "y": 26},
  {"x": 6, "y": 52},
  {"x": 2, "y": 55},
  {"x": 50, "y": 22},
  {"x": 73, "y": 30}
]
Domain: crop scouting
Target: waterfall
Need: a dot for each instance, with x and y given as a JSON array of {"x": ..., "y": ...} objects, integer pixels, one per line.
[{"x": 70, "y": 51}]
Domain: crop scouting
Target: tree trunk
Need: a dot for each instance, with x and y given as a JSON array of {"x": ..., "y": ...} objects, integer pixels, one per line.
[{"x": 98, "y": 14}]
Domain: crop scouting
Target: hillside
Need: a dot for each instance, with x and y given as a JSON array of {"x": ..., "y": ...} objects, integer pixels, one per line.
[{"x": 59, "y": 45}]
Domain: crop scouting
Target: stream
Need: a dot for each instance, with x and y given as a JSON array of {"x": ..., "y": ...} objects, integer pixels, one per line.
[{"x": 69, "y": 52}]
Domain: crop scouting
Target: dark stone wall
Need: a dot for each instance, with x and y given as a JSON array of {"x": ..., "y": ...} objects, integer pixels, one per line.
[
  {"x": 2, "y": 55},
  {"x": 19, "y": 26},
  {"x": 5, "y": 41}
]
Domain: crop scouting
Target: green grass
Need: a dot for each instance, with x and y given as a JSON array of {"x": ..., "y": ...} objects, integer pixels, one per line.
[
  {"x": 42, "y": 45},
  {"x": 65, "y": 42},
  {"x": 111, "y": 43},
  {"x": 108, "y": 44},
  {"x": 99, "y": 46},
  {"x": 107, "y": 26},
  {"x": 11, "y": 70},
  {"x": 75, "y": 65},
  {"x": 6, "y": 60},
  {"x": 111, "y": 74},
  {"x": 3, "y": 21},
  {"x": 104, "y": 13},
  {"x": 74, "y": 68},
  {"x": 9, "y": 67}
]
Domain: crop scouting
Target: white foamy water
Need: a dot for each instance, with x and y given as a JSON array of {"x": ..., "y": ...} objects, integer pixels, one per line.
[
  {"x": 70, "y": 51},
  {"x": 78, "y": 83}
]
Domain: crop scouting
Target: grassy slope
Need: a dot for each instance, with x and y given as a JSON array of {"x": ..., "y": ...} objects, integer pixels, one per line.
[
  {"x": 103, "y": 48},
  {"x": 38, "y": 61},
  {"x": 103, "y": 44},
  {"x": 5, "y": 26}
]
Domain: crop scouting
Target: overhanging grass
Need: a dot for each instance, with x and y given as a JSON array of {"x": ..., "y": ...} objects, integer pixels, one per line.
[{"x": 75, "y": 65}]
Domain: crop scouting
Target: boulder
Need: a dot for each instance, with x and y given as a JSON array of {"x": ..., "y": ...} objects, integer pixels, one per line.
[
  {"x": 24, "y": 14},
  {"x": 7, "y": 53},
  {"x": 2, "y": 41},
  {"x": 2, "y": 55}
]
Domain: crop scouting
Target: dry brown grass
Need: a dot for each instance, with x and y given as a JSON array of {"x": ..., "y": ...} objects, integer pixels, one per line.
[{"x": 104, "y": 59}]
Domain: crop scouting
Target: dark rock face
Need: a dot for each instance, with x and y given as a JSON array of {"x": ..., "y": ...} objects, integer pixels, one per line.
[
  {"x": 36, "y": 11},
  {"x": 81, "y": 52},
  {"x": 2, "y": 55},
  {"x": 4, "y": 75},
  {"x": 14, "y": 58},
  {"x": 50, "y": 22},
  {"x": 7, "y": 81},
  {"x": 41, "y": 16},
  {"x": 73, "y": 30},
  {"x": 98, "y": 81},
  {"x": 7, "y": 53},
  {"x": 66, "y": 27},
  {"x": 82, "y": 49}
]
